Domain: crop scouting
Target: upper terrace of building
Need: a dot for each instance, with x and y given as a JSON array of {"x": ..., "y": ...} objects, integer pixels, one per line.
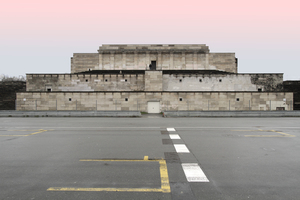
[
  {"x": 154, "y": 57},
  {"x": 195, "y": 48}
]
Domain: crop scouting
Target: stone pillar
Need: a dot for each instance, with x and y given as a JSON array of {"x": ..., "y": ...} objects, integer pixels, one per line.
[
  {"x": 206, "y": 61},
  {"x": 159, "y": 61},
  {"x": 195, "y": 61},
  {"x": 171, "y": 66},
  {"x": 112, "y": 60},
  {"x": 124, "y": 60},
  {"x": 148, "y": 62},
  {"x": 135, "y": 60},
  {"x": 100, "y": 61},
  {"x": 183, "y": 61}
]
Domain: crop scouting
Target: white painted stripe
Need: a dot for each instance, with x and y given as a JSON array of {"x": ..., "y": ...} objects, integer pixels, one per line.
[
  {"x": 181, "y": 148},
  {"x": 174, "y": 136},
  {"x": 171, "y": 129},
  {"x": 193, "y": 172}
]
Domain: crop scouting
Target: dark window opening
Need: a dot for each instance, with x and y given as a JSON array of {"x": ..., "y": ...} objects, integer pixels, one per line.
[
  {"x": 126, "y": 99},
  {"x": 200, "y": 80},
  {"x": 125, "y": 80},
  {"x": 86, "y": 80},
  {"x": 180, "y": 80},
  {"x": 259, "y": 90},
  {"x": 105, "y": 80},
  {"x": 49, "y": 90},
  {"x": 220, "y": 80},
  {"x": 70, "y": 99},
  {"x": 152, "y": 66},
  {"x": 237, "y": 99},
  {"x": 180, "y": 99},
  {"x": 280, "y": 108}
]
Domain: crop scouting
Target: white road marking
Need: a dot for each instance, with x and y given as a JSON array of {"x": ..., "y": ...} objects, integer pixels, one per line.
[
  {"x": 181, "y": 148},
  {"x": 174, "y": 136},
  {"x": 193, "y": 172},
  {"x": 171, "y": 129}
]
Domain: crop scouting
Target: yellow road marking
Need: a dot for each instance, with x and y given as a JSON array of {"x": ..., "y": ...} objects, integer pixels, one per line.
[
  {"x": 165, "y": 186},
  {"x": 40, "y": 131},
  {"x": 37, "y": 131},
  {"x": 260, "y": 130}
]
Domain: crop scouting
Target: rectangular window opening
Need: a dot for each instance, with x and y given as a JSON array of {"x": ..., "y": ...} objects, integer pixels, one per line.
[{"x": 152, "y": 66}]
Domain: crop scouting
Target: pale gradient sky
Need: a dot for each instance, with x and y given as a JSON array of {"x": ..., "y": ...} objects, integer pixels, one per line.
[{"x": 40, "y": 36}]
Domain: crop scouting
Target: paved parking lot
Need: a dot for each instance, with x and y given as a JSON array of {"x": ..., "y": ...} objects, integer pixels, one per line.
[{"x": 149, "y": 158}]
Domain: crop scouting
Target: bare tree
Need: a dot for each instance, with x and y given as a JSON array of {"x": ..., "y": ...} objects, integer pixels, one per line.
[{"x": 5, "y": 78}]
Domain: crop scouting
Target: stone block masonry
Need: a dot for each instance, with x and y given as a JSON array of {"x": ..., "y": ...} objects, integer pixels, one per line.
[
  {"x": 168, "y": 101},
  {"x": 154, "y": 78}
]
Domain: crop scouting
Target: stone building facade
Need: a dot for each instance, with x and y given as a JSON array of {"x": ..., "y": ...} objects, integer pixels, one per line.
[{"x": 154, "y": 78}]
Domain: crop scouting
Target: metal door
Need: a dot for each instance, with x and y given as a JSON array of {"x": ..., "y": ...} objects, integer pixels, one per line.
[{"x": 153, "y": 107}]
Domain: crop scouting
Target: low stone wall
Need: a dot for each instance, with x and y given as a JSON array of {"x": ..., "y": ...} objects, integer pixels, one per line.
[
  {"x": 231, "y": 114},
  {"x": 70, "y": 114}
]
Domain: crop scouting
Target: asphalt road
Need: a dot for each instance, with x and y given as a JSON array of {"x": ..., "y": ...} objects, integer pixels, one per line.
[{"x": 139, "y": 158}]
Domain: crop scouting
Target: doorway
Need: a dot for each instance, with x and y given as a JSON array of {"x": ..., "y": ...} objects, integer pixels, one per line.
[{"x": 153, "y": 107}]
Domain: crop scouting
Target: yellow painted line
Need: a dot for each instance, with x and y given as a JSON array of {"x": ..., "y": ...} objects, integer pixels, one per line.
[
  {"x": 261, "y": 130},
  {"x": 284, "y": 134},
  {"x": 281, "y": 134},
  {"x": 267, "y": 136},
  {"x": 64, "y": 189},
  {"x": 40, "y": 131},
  {"x": 165, "y": 185},
  {"x": 37, "y": 131}
]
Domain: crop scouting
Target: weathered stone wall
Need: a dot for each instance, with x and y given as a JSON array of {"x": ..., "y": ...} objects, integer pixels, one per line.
[
  {"x": 167, "y": 57},
  {"x": 223, "y": 62},
  {"x": 168, "y": 100},
  {"x": 222, "y": 82},
  {"x": 85, "y": 82},
  {"x": 153, "y": 81},
  {"x": 84, "y": 62},
  {"x": 8, "y": 90}
]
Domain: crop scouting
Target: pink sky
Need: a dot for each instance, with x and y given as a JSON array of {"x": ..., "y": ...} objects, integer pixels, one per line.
[{"x": 40, "y": 36}]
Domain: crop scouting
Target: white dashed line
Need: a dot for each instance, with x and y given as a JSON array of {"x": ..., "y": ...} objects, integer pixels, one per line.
[
  {"x": 181, "y": 148},
  {"x": 171, "y": 129},
  {"x": 174, "y": 136},
  {"x": 193, "y": 172}
]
